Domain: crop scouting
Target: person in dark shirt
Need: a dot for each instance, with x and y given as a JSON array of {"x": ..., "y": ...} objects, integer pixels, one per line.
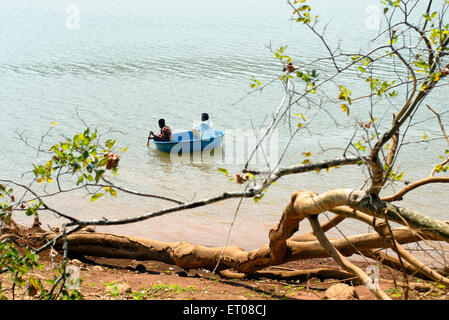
[{"x": 165, "y": 135}]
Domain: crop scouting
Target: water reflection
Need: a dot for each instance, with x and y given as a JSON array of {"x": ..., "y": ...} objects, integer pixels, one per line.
[{"x": 206, "y": 161}]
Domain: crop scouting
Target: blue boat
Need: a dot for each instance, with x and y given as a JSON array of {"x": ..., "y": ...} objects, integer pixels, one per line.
[{"x": 185, "y": 142}]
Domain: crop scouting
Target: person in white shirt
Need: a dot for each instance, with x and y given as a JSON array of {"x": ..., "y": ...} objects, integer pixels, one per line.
[{"x": 204, "y": 130}]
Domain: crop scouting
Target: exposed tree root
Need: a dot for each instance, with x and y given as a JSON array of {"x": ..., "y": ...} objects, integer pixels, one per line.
[
  {"x": 8, "y": 237},
  {"x": 417, "y": 286},
  {"x": 301, "y": 275},
  {"x": 345, "y": 263}
]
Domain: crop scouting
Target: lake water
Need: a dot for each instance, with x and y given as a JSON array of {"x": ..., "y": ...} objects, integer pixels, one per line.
[{"x": 125, "y": 65}]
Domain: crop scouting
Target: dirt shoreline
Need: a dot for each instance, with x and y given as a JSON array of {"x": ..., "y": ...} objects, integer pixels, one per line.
[{"x": 123, "y": 279}]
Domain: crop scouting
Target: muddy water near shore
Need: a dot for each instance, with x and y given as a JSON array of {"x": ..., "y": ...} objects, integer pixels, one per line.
[{"x": 126, "y": 66}]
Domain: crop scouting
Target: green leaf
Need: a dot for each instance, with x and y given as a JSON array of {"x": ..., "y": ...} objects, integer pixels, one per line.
[
  {"x": 224, "y": 171},
  {"x": 80, "y": 180},
  {"x": 345, "y": 108},
  {"x": 398, "y": 176},
  {"x": 29, "y": 211},
  {"x": 96, "y": 196},
  {"x": 113, "y": 192},
  {"x": 110, "y": 143},
  {"x": 98, "y": 175},
  {"x": 424, "y": 136},
  {"x": 258, "y": 198},
  {"x": 103, "y": 162},
  {"x": 421, "y": 64},
  {"x": 359, "y": 145},
  {"x": 393, "y": 94},
  {"x": 307, "y": 154}
]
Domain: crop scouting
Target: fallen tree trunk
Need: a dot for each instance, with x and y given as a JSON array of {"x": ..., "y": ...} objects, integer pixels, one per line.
[
  {"x": 282, "y": 247},
  {"x": 190, "y": 256}
]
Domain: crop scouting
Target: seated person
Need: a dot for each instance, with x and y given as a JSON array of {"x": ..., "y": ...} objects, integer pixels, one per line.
[
  {"x": 165, "y": 135},
  {"x": 204, "y": 130}
]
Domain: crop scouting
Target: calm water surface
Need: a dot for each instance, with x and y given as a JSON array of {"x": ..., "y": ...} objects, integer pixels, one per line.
[{"x": 130, "y": 64}]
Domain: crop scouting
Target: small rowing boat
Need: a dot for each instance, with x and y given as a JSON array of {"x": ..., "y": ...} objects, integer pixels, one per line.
[{"x": 185, "y": 142}]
